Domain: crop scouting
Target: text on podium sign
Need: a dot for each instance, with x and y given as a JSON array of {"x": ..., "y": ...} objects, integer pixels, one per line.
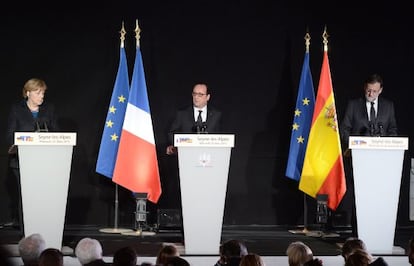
[{"x": 206, "y": 140}]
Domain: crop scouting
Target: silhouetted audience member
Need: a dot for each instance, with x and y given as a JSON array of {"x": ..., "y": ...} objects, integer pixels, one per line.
[
  {"x": 231, "y": 252},
  {"x": 298, "y": 253},
  {"x": 51, "y": 257},
  {"x": 89, "y": 252},
  {"x": 411, "y": 251},
  {"x": 176, "y": 261},
  {"x": 125, "y": 256},
  {"x": 30, "y": 248},
  {"x": 165, "y": 252},
  {"x": 358, "y": 257},
  {"x": 314, "y": 262},
  {"x": 252, "y": 259},
  {"x": 5, "y": 257},
  {"x": 352, "y": 244}
]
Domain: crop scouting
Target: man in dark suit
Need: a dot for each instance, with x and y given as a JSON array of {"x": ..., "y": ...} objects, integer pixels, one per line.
[
  {"x": 197, "y": 118},
  {"x": 187, "y": 121},
  {"x": 370, "y": 115},
  {"x": 357, "y": 120}
]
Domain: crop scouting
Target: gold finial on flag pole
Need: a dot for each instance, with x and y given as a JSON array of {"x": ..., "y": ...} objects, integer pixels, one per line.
[
  {"x": 123, "y": 32},
  {"x": 325, "y": 39},
  {"x": 137, "y": 32},
  {"x": 307, "y": 41}
]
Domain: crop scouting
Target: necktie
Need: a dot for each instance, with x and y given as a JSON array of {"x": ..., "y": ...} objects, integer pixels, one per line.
[
  {"x": 199, "y": 119},
  {"x": 372, "y": 112}
]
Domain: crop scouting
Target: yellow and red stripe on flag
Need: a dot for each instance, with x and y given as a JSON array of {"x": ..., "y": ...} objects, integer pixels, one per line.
[{"x": 323, "y": 169}]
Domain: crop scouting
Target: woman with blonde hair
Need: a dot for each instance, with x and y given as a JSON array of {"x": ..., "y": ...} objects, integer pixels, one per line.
[{"x": 298, "y": 253}]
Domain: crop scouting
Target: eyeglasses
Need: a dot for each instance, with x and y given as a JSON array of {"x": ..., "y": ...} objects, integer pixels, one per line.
[
  {"x": 199, "y": 94},
  {"x": 372, "y": 91}
]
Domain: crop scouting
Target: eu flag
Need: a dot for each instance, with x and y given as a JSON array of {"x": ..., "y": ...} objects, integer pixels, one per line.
[
  {"x": 302, "y": 121},
  {"x": 108, "y": 149}
]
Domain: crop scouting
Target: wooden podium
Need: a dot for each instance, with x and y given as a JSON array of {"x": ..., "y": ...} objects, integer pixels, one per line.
[
  {"x": 203, "y": 161},
  {"x": 377, "y": 167},
  {"x": 45, "y": 160}
]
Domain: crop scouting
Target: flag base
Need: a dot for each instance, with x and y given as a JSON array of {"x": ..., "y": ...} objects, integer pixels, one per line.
[{"x": 114, "y": 230}]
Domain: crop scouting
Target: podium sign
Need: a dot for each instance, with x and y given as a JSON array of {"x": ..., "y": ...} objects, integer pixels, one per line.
[
  {"x": 203, "y": 161},
  {"x": 45, "y": 163},
  {"x": 377, "y": 167}
]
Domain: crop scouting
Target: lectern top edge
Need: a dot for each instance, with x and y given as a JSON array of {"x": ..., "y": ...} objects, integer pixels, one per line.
[
  {"x": 379, "y": 143},
  {"x": 204, "y": 140},
  {"x": 44, "y": 138}
]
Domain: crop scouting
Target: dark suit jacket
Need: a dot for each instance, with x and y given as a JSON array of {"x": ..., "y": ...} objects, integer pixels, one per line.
[
  {"x": 184, "y": 122},
  {"x": 20, "y": 119},
  {"x": 356, "y": 123}
]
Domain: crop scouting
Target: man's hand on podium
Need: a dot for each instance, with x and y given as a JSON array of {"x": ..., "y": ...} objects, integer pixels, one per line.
[
  {"x": 12, "y": 149},
  {"x": 171, "y": 150}
]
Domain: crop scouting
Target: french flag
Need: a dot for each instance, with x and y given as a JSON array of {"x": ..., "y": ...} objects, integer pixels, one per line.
[{"x": 136, "y": 165}]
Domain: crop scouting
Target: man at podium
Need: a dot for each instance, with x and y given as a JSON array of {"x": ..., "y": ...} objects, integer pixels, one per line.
[
  {"x": 196, "y": 118},
  {"x": 188, "y": 120},
  {"x": 371, "y": 115},
  {"x": 27, "y": 115}
]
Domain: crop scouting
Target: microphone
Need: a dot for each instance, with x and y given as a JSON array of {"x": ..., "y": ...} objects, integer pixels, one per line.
[
  {"x": 381, "y": 129},
  {"x": 37, "y": 126},
  {"x": 371, "y": 129},
  {"x": 204, "y": 127},
  {"x": 41, "y": 125}
]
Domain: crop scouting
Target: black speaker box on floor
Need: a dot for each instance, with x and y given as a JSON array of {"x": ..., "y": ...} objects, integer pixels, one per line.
[{"x": 169, "y": 219}]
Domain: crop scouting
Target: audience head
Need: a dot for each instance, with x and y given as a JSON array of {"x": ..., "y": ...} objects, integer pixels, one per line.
[
  {"x": 251, "y": 259},
  {"x": 313, "y": 262},
  {"x": 88, "y": 250},
  {"x": 411, "y": 251},
  {"x": 51, "y": 257},
  {"x": 359, "y": 257},
  {"x": 125, "y": 256},
  {"x": 30, "y": 248},
  {"x": 165, "y": 252},
  {"x": 233, "y": 248},
  {"x": 231, "y": 252},
  {"x": 4, "y": 257},
  {"x": 176, "y": 261},
  {"x": 298, "y": 253},
  {"x": 350, "y": 245}
]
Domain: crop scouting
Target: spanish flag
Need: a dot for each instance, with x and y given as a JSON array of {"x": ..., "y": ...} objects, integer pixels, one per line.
[{"x": 323, "y": 169}]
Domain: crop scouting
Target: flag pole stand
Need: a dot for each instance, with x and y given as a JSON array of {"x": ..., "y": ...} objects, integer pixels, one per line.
[
  {"x": 305, "y": 230},
  {"x": 115, "y": 229}
]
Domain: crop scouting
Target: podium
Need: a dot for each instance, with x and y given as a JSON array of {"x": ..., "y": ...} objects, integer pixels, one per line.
[
  {"x": 45, "y": 162},
  {"x": 377, "y": 167},
  {"x": 203, "y": 161}
]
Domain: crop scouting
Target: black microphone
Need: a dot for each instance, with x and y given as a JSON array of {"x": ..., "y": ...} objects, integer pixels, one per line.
[
  {"x": 371, "y": 129},
  {"x": 381, "y": 129},
  {"x": 36, "y": 125},
  {"x": 204, "y": 127},
  {"x": 41, "y": 125}
]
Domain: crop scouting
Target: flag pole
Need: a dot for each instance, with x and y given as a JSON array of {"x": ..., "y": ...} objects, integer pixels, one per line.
[
  {"x": 305, "y": 206},
  {"x": 142, "y": 192},
  {"x": 116, "y": 229}
]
